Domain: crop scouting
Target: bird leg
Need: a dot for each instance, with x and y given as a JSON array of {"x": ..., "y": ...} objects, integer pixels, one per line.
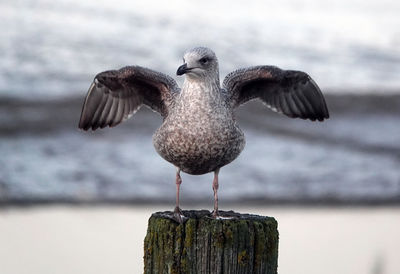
[
  {"x": 177, "y": 211},
  {"x": 215, "y": 213}
]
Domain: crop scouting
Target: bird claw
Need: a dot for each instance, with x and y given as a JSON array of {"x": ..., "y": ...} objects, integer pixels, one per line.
[
  {"x": 178, "y": 216},
  {"x": 177, "y": 210},
  {"x": 215, "y": 214}
]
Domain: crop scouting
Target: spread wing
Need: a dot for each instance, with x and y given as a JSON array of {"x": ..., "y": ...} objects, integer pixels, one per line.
[
  {"x": 116, "y": 95},
  {"x": 290, "y": 92}
]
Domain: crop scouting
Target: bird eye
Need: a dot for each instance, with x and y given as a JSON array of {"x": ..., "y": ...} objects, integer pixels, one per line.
[{"x": 203, "y": 60}]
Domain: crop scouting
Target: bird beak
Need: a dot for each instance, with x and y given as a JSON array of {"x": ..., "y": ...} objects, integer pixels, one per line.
[{"x": 182, "y": 69}]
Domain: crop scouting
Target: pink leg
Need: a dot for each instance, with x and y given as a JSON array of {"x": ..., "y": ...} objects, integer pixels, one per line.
[
  {"x": 215, "y": 188},
  {"x": 177, "y": 212},
  {"x": 178, "y": 184}
]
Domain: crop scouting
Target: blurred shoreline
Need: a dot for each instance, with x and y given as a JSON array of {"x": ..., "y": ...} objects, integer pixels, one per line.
[
  {"x": 351, "y": 159},
  {"x": 306, "y": 203},
  {"x": 29, "y": 116}
]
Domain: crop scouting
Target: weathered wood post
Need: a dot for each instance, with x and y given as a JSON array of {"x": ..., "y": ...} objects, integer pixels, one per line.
[{"x": 236, "y": 243}]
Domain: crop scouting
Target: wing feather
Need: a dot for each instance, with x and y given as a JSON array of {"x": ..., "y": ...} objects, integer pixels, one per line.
[
  {"x": 120, "y": 112},
  {"x": 299, "y": 104},
  {"x": 106, "y": 111},
  {"x": 292, "y": 109},
  {"x": 112, "y": 113},
  {"x": 116, "y": 95},
  {"x": 95, "y": 119},
  {"x": 290, "y": 92}
]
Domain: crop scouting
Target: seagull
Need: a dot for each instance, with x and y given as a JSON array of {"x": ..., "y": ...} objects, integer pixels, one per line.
[{"x": 199, "y": 133}]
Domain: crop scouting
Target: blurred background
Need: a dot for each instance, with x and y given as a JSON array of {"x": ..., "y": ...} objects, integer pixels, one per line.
[{"x": 326, "y": 183}]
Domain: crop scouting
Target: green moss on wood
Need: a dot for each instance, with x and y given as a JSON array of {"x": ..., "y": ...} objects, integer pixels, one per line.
[
  {"x": 243, "y": 258},
  {"x": 243, "y": 244}
]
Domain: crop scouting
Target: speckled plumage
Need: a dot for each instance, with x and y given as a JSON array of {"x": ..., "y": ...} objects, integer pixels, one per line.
[{"x": 199, "y": 133}]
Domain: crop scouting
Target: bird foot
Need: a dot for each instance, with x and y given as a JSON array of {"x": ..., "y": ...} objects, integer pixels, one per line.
[
  {"x": 178, "y": 216},
  {"x": 215, "y": 214}
]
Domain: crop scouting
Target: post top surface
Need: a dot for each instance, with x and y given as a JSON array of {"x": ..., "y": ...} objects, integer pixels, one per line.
[{"x": 224, "y": 215}]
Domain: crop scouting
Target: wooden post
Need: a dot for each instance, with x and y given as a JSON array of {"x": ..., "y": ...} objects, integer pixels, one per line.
[{"x": 236, "y": 243}]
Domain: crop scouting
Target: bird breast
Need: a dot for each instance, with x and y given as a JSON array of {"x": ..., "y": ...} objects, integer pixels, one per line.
[{"x": 199, "y": 136}]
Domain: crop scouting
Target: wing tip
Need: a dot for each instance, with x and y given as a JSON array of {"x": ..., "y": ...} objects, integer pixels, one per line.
[
  {"x": 83, "y": 124},
  {"x": 86, "y": 127},
  {"x": 325, "y": 115},
  {"x": 320, "y": 118}
]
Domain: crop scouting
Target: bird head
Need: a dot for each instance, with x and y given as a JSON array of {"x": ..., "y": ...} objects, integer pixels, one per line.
[{"x": 199, "y": 62}]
